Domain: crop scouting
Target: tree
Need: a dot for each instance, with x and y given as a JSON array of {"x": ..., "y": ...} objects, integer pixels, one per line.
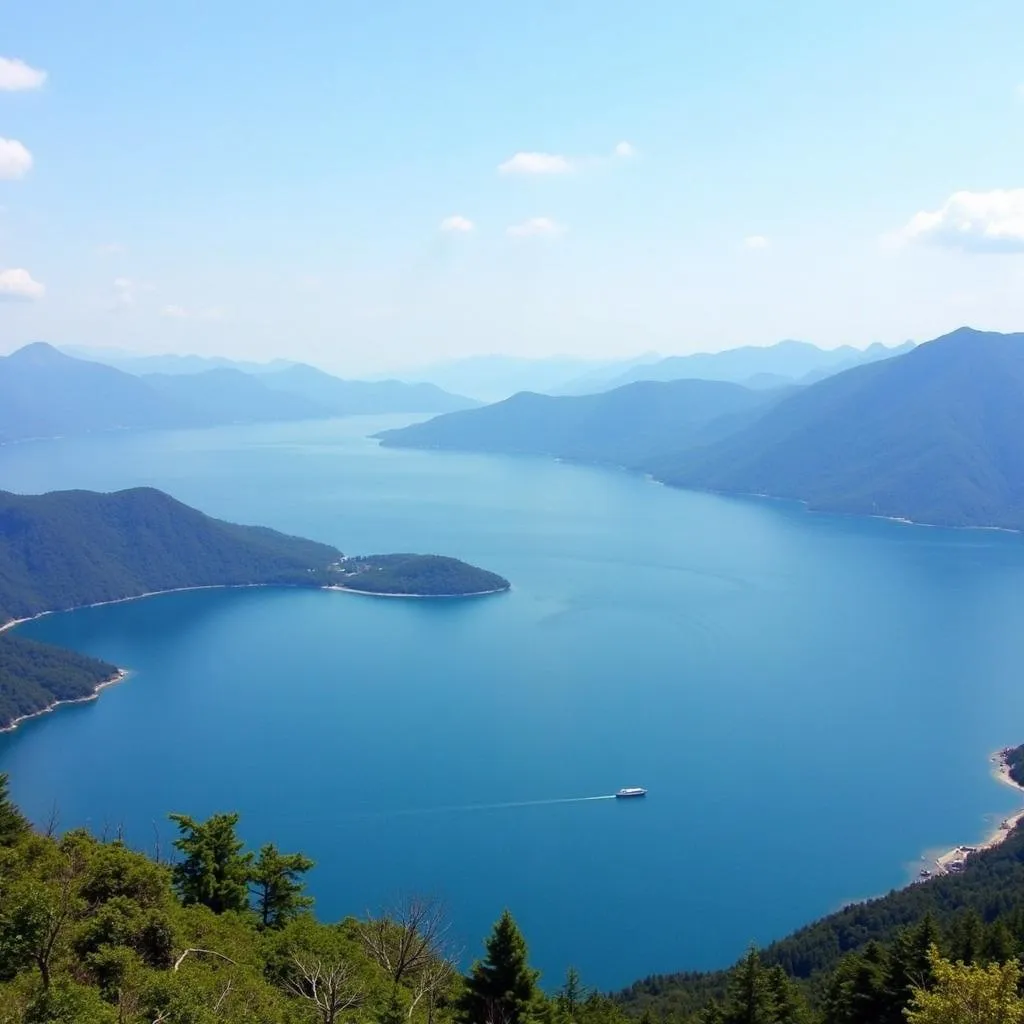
[
  {"x": 214, "y": 871},
  {"x": 749, "y": 997},
  {"x": 856, "y": 988},
  {"x": 407, "y": 938},
  {"x": 330, "y": 984},
  {"x": 571, "y": 994},
  {"x": 13, "y": 824},
  {"x": 789, "y": 1006},
  {"x": 967, "y": 994},
  {"x": 277, "y": 886},
  {"x": 501, "y": 988}
]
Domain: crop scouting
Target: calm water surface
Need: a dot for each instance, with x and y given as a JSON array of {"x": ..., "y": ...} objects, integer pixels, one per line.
[{"x": 810, "y": 700}]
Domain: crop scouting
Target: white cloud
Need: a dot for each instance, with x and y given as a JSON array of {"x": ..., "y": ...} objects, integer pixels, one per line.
[
  {"x": 174, "y": 312},
  {"x": 457, "y": 223},
  {"x": 17, "y": 76},
  {"x": 755, "y": 242},
  {"x": 536, "y": 163},
  {"x": 972, "y": 221},
  {"x": 124, "y": 292},
  {"x": 536, "y": 227},
  {"x": 15, "y": 159},
  {"x": 18, "y": 283},
  {"x": 625, "y": 150}
]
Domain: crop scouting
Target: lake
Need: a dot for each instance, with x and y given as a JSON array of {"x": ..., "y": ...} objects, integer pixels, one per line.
[{"x": 810, "y": 700}]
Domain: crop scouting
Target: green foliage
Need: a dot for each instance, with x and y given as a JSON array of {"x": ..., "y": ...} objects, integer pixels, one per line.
[
  {"x": 1014, "y": 760},
  {"x": 13, "y": 824},
  {"x": 213, "y": 871},
  {"x": 423, "y": 575},
  {"x": 33, "y": 676},
  {"x": 968, "y": 994},
  {"x": 501, "y": 988},
  {"x": 276, "y": 884}
]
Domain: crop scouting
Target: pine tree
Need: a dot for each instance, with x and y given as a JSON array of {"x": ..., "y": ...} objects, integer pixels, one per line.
[
  {"x": 856, "y": 989},
  {"x": 789, "y": 1005},
  {"x": 571, "y": 994},
  {"x": 501, "y": 988},
  {"x": 277, "y": 886},
  {"x": 909, "y": 968},
  {"x": 13, "y": 824},
  {"x": 214, "y": 871},
  {"x": 749, "y": 997}
]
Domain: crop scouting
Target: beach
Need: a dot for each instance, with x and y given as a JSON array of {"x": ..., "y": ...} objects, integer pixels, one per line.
[{"x": 953, "y": 861}]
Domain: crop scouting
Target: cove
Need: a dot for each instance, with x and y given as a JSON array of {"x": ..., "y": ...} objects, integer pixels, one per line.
[{"x": 810, "y": 700}]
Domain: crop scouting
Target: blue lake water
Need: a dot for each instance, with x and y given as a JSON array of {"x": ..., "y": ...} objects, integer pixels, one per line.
[{"x": 810, "y": 700}]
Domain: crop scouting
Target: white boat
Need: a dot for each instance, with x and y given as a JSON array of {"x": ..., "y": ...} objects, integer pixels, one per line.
[{"x": 624, "y": 794}]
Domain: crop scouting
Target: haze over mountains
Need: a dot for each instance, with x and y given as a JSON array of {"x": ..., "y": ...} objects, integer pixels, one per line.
[
  {"x": 46, "y": 393},
  {"x": 935, "y": 435}
]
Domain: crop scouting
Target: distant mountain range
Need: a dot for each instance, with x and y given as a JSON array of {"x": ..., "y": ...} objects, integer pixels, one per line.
[
  {"x": 786, "y": 362},
  {"x": 934, "y": 435},
  {"x": 131, "y": 362},
  {"x": 47, "y": 393}
]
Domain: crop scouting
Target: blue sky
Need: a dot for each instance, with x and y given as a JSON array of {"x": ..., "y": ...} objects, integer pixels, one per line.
[{"x": 325, "y": 181}]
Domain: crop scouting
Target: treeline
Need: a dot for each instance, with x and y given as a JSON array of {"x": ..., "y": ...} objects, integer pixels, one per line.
[
  {"x": 976, "y": 916},
  {"x": 1014, "y": 759},
  {"x": 33, "y": 676},
  {"x": 423, "y": 575},
  {"x": 92, "y": 932}
]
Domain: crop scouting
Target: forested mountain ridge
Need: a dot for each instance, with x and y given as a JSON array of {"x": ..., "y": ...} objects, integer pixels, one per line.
[
  {"x": 69, "y": 548},
  {"x": 622, "y": 427},
  {"x": 935, "y": 436}
]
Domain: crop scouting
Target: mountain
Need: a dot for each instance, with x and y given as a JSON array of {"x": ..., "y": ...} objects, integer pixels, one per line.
[
  {"x": 70, "y": 548},
  {"x": 44, "y": 393},
  {"x": 352, "y": 397},
  {"x": 935, "y": 435},
  {"x": 623, "y": 427},
  {"x": 230, "y": 396},
  {"x": 131, "y": 362},
  {"x": 793, "y": 360},
  {"x": 491, "y": 378}
]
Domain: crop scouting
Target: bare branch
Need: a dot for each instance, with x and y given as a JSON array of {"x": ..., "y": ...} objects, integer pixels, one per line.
[
  {"x": 331, "y": 987},
  {"x": 407, "y": 939},
  {"x": 207, "y": 952}
]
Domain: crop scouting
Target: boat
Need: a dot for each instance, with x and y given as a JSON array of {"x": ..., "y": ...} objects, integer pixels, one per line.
[{"x": 624, "y": 794}]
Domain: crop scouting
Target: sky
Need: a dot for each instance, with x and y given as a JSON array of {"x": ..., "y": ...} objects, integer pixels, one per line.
[{"x": 377, "y": 186}]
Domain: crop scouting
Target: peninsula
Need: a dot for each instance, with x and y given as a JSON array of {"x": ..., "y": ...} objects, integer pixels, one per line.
[{"x": 68, "y": 549}]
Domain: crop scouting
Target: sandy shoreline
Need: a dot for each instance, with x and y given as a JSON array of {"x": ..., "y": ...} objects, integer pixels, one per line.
[
  {"x": 953, "y": 861},
  {"x": 119, "y": 677}
]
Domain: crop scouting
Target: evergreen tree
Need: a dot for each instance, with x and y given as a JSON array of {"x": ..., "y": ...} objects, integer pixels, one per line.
[
  {"x": 855, "y": 993},
  {"x": 909, "y": 968},
  {"x": 571, "y": 994},
  {"x": 278, "y": 887},
  {"x": 789, "y": 1005},
  {"x": 214, "y": 871},
  {"x": 966, "y": 994},
  {"x": 13, "y": 824},
  {"x": 749, "y": 998},
  {"x": 501, "y": 988}
]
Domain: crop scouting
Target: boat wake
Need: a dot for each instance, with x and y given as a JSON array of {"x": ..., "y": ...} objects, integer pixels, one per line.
[{"x": 467, "y": 808}]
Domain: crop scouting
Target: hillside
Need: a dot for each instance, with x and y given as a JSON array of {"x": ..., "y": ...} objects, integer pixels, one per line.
[
  {"x": 935, "y": 435},
  {"x": 417, "y": 576},
  {"x": 230, "y": 396},
  {"x": 621, "y": 427},
  {"x": 69, "y": 548},
  {"x": 44, "y": 393},
  {"x": 786, "y": 361},
  {"x": 353, "y": 397}
]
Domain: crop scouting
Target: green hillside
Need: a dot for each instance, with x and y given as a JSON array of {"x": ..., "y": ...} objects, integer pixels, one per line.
[{"x": 70, "y": 548}]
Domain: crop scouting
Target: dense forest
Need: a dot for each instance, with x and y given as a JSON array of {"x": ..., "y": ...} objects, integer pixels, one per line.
[
  {"x": 1014, "y": 759},
  {"x": 418, "y": 575},
  {"x": 92, "y": 932},
  {"x": 34, "y": 676}
]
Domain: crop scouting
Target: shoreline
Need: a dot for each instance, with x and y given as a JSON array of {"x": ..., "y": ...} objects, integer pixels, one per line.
[
  {"x": 427, "y": 597},
  {"x": 119, "y": 676},
  {"x": 953, "y": 861}
]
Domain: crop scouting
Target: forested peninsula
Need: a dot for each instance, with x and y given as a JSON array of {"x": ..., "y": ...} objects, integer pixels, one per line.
[{"x": 67, "y": 549}]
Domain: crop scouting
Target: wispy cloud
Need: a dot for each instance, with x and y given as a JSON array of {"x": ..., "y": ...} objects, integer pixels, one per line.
[
  {"x": 17, "y": 76},
  {"x": 124, "y": 292},
  {"x": 533, "y": 163},
  {"x": 536, "y": 163},
  {"x": 982, "y": 222},
  {"x": 17, "y": 283},
  {"x": 755, "y": 242},
  {"x": 457, "y": 224},
  {"x": 15, "y": 159},
  {"x": 110, "y": 249},
  {"x": 536, "y": 227}
]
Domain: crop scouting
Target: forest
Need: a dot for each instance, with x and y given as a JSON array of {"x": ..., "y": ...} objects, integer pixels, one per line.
[{"x": 93, "y": 932}]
